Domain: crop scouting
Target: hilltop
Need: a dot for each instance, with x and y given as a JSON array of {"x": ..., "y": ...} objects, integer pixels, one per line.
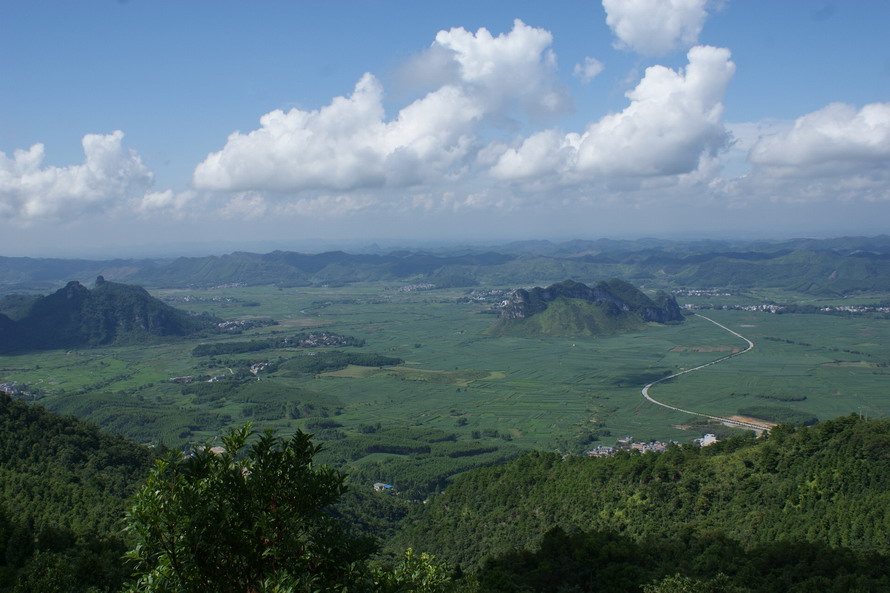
[
  {"x": 571, "y": 308},
  {"x": 77, "y": 317}
]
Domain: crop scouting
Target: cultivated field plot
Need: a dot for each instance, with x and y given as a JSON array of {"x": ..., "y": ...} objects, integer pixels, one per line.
[
  {"x": 823, "y": 365},
  {"x": 551, "y": 393}
]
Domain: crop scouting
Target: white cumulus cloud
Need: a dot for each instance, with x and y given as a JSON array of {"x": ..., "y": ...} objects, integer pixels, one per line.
[
  {"x": 655, "y": 27},
  {"x": 109, "y": 173},
  {"x": 515, "y": 67},
  {"x": 349, "y": 144},
  {"x": 672, "y": 122},
  {"x": 836, "y": 154},
  {"x": 835, "y": 139}
]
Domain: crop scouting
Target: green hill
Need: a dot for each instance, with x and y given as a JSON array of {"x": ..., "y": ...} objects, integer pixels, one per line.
[
  {"x": 574, "y": 309},
  {"x": 803, "y": 509},
  {"x": 828, "y": 485},
  {"x": 64, "y": 486},
  {"x": 111, "y": 313}
]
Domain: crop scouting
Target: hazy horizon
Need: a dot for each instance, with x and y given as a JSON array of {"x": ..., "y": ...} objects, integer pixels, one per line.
[{"x": 174, "y": 250}]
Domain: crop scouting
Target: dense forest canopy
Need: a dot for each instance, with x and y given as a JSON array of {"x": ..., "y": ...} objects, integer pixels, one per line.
[
  {"x": 829, "y": 483},
  {"x": 801, "y": 509}
]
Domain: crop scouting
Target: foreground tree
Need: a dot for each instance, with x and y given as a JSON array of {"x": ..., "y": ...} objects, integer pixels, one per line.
[{"x": 249, "y": 519}]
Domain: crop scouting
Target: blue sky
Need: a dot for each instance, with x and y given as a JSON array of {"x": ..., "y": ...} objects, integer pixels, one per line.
[{"x": 151, "y": 127}]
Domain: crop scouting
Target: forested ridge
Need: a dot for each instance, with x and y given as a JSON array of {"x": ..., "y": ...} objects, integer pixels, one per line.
[
  {"x": 64, "y": 486},
  {"x": 803, "y": 509},
  {"x": 826, "y": 485}
]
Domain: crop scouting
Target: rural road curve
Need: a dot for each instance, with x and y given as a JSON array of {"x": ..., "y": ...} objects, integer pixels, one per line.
[{"x": 698, "y": 368}]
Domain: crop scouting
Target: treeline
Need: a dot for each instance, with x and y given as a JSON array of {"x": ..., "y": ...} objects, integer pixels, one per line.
[
  {"x": 826, "y": 484},
  {"x": 334, "y": 360},
  {"x": 302, "y": 340},
  {"x": 688, "y": 562},
  {"x": 780, "y": 414}
]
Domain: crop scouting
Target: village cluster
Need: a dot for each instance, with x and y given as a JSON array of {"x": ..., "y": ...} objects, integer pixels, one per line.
[
  {"x": 627, "y": 444},
  {"x": 770, "y": 308}
]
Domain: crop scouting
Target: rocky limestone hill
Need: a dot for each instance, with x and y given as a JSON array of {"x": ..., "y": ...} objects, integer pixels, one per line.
[
  {"x": 110, "y": 313},
  {"x": 572, "y": 308}
]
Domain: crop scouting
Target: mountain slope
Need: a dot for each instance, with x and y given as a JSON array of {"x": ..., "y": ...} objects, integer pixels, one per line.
[
  {"x": 76, "y": 317},
  {"x": 573, "y": 309},
  {"x": 64, "y": 486},
  {"x": 827, "y": 484}
]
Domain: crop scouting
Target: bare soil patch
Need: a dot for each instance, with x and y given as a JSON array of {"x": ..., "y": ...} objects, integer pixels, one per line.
[{"x": 765, "y": 424}]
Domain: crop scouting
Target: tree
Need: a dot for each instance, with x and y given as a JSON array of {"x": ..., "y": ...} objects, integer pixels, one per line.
[
  {"x": 416, "y": 573},
  {"x": 248, "y": 519},
  {"x": 682, "y": 584}
]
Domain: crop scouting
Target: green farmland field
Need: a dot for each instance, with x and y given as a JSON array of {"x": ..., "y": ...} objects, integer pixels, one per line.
[{"x": 500, "y": 395}]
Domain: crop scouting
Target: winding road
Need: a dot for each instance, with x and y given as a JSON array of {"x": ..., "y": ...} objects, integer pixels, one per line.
[{"x": 698, "y": 368}]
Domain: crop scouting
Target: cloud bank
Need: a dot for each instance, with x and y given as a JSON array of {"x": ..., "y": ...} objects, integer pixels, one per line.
[
  {"x": 481, "y": 136},
  {"x": 348, "y": 144},
  {"x": 833, "y": 140},
  {"x": 673, "y": 119},
  {"x": 838, "y": 153},
  {"x": 108, "y": 174}
]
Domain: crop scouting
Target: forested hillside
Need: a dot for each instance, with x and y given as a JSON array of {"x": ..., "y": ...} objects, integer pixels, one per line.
[
  {"x": 801, "y": 510},
  {"x": 64, "y": 486},
  {"x": 77, "y": 317},
  {"x": 827, "y": 485}
]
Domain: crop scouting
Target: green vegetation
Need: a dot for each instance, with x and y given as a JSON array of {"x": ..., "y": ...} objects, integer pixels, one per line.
[
  {"x": 416, "y": 461},
  {"x": 826, "y": 485},
  {"x": 302, "y": 340},
  {"x": 779, "y": 415},
  {"x": 111, "y": 313},
  {"x": 800, "y": 510},
  {"x": 413, "y": 384},
  {"x": 244, "y": 518},
  {"x": 687, "y": 563},
  {"x": 64, "y": 486},
  {"x": 531, "y": 393},
  {"x": 573, "y": 309},
  {"x": 333, "y": 360}
]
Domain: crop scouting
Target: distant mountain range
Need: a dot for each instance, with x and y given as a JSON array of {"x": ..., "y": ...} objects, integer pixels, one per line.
[
  {"x": 77, "y": 317},
  {"x": 819, "y": 267},
  {"x": 573, "y": 309}
]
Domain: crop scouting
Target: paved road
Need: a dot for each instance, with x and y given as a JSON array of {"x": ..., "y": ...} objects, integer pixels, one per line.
[{"x": 698, "y": 368}]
